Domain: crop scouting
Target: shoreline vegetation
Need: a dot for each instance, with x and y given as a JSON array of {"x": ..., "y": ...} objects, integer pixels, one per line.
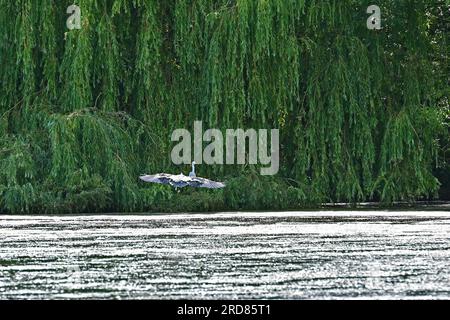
[
  {"x": 372, "y": 207},
  {"x": 348, "y": 207},
  {"x": 363, "y": 114}
]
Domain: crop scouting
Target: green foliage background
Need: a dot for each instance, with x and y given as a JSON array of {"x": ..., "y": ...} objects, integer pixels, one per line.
[{"x": 363, "y": 115}]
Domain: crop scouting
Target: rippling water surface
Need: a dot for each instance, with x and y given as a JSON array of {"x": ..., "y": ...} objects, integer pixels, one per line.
[{"x": 244, "y": 255}]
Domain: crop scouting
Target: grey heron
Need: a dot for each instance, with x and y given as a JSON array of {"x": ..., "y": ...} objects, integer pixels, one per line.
[{"x": 181, "y": 181}]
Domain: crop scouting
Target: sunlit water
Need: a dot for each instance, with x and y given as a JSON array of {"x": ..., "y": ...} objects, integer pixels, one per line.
[{"x": 245, "y": 255}]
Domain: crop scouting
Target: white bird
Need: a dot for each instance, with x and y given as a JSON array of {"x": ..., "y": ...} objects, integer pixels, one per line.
[
  {"x": 192, "y": 173},
  {"x": 181, "y": 181}
]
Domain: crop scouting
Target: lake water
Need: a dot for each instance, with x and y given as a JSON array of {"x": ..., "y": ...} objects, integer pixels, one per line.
[{"x": 288, "y": 255}]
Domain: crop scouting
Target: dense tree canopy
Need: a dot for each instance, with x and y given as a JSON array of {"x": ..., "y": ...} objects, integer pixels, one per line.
[{"x": 363, "y": 114}]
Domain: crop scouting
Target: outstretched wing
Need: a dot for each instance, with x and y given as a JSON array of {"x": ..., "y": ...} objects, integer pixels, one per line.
[
  {"x": 205, "y": 183},
  {"x": 180, "y": 181},
  {"x": 162, "y": 178}
]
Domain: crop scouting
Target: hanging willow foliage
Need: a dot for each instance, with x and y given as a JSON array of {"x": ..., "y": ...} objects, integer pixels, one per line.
[{"x": 362, "y": 113}]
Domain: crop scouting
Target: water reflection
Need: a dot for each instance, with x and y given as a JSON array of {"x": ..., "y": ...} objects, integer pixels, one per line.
[{"x": 246, "y": 255}]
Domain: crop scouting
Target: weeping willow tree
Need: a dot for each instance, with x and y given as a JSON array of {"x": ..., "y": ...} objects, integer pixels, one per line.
[{"x": 363, "y": 114}]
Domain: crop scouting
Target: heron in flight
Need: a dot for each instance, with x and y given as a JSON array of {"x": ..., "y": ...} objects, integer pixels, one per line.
[{"x": 181, "y": 181}]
